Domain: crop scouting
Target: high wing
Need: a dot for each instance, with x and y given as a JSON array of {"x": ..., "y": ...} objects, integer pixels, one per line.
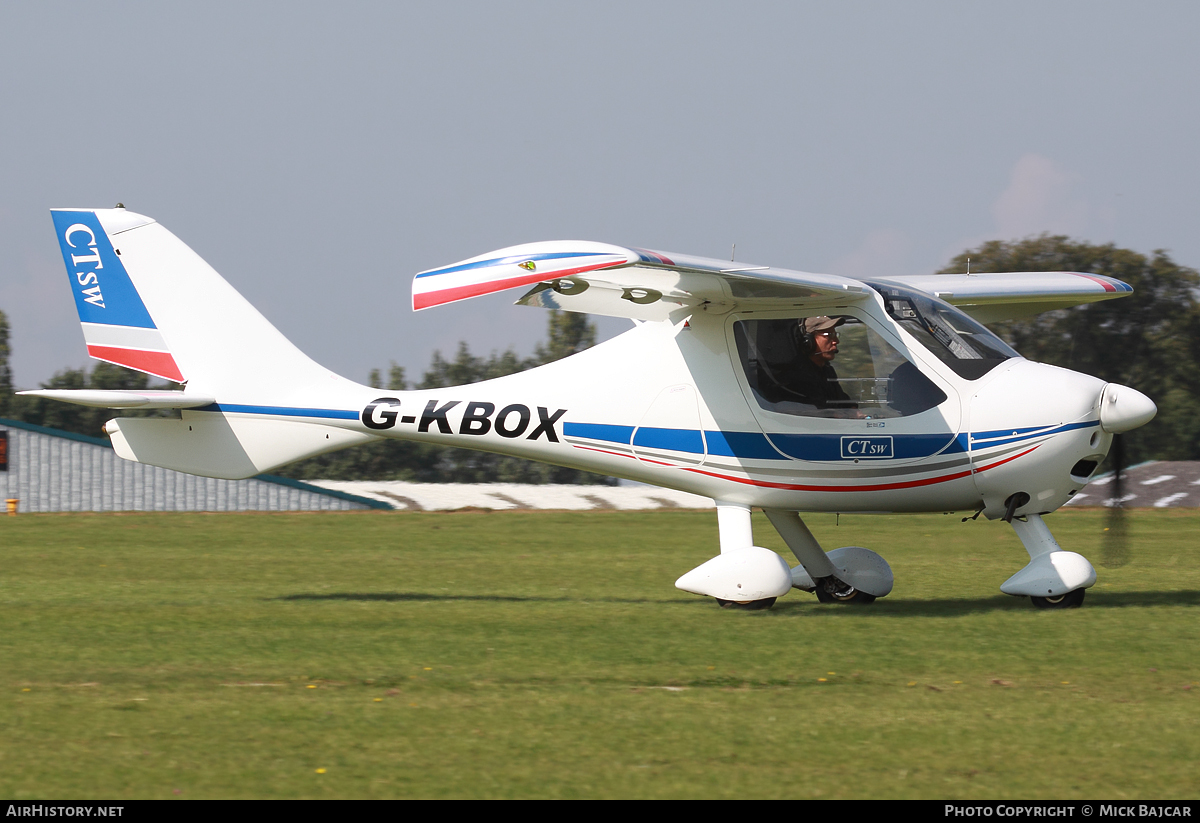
[
  {"x": 597, "y": 278},
  {"x": 1012, "y": 295},
  {"x": 617, "y": 281}
]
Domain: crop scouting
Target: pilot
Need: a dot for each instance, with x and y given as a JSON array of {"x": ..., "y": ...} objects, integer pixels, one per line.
[{"x": 815, "y": 377}]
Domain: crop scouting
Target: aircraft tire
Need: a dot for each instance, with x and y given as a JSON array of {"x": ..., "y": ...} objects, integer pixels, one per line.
[
  {"x": 856, "y": 597},
  {"x": 1070, "y": 600},
  {"x": 751, "y": 606}
]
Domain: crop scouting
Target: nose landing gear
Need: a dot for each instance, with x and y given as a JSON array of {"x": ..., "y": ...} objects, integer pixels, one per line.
[{"x": 1053, "y": 578}]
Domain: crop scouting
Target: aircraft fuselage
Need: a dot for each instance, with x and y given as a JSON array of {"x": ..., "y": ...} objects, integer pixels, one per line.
[{"x": 669, "y": 404}]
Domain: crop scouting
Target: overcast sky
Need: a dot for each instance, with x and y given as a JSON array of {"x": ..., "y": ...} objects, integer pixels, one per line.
[{"x": 318, "y": 155}]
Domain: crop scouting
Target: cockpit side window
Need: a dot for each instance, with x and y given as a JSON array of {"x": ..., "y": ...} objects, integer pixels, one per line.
[
  {"x": 956, "y": 339},
  {"x": 790, "y": 370}
]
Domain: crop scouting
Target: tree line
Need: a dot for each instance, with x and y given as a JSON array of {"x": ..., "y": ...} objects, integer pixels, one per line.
[{"x": 1149, "y": 340}]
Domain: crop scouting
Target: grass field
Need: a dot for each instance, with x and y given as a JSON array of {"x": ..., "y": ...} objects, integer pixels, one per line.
[{"x": 542, "y": 654}]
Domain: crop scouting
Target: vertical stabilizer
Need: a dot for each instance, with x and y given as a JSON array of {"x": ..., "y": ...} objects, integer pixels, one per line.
[{"x": 148, "y": 302}]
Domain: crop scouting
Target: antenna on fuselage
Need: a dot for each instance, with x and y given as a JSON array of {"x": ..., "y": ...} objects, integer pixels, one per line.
[
  {"x": 732, "y": 252},
  {"x": 968, "y": 267}
]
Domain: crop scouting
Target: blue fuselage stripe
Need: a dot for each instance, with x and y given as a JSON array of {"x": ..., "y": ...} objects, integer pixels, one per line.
[
  {"x": 599, "y": 431},
  {"x": 748, "y": 445},
  {"x": 1005, "y": 436},
  {"x": 759, "y": 446},
  {"x": 283, "y": 411},
  {"x": 678, "y": 440},
  {"x": 745, "y": 445}
]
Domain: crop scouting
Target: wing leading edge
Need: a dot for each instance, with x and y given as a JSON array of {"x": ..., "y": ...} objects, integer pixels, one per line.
[
  {"x": 1012, "y": 295},
  {"x": 616, "y": 281}
]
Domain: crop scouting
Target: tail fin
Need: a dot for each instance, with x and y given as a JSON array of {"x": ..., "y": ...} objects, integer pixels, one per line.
[{"x": 148, "y": 302}]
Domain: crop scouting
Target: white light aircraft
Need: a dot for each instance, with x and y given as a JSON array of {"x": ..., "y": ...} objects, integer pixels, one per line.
[{"x": 726, "y": 387}]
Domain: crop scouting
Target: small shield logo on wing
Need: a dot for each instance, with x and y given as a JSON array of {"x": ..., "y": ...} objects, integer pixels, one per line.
[{"x": 528, "y": 265}]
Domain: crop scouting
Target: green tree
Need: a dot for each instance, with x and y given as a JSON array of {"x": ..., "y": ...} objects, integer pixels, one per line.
[
  {"x": 1149, "y": 340},
  {"x": 6, "y": 384},
  {"x": 467, "y": 368},
  {"x": 396, "y": 380},
  {"x": 569, "y": 333}
]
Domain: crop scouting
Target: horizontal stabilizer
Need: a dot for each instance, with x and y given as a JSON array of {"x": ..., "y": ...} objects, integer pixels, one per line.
[
  {"x": 231, "y": 447},
  {"x": 1010, "y": 295},
  {"x": 106, "y": 399}
]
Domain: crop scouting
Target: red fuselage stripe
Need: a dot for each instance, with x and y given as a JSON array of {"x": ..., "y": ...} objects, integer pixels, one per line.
[
  {"x": 622, "y": 454},
  {"x": 909, "y": 484}
]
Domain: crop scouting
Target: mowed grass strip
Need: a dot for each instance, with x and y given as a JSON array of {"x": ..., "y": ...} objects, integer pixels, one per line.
[{"x": 543, "y": 654}]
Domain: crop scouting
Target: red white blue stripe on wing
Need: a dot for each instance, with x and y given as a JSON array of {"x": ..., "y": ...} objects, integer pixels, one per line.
[
  {"x": 647, "y": 256},
  {"x": 512, "y": 267},
  {"x": 1108, "y": 283}
]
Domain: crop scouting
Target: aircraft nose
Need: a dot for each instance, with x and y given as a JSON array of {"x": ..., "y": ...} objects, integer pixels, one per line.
[{"x": 1123, "y": 409}]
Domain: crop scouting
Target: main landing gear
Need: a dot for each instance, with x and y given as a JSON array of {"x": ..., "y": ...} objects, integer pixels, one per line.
[
  {"x": 832, "y": 590},
  {"x": 1070, "y": 600},
  {"x": 746, "y": 577},
  {"x": 751, "y": 606}
]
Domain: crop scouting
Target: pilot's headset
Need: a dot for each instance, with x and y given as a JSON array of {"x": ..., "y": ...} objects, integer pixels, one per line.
[{"x": 807, "y": 328}]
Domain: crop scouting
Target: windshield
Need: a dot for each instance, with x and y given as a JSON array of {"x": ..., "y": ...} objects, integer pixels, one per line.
[
  {"x": 961, "y": 343},
  {"x": 852, "y": 373}
]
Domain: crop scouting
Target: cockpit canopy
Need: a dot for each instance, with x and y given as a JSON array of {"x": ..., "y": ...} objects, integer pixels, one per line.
[
  {"x": 958, "y": 341},
  {"x": 866, "y": 377}
]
